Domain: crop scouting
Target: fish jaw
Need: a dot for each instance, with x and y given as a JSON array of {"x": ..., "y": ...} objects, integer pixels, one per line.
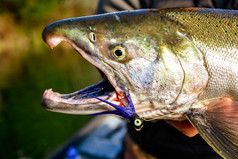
[
  {"x": 79, "y": 103},
  {"x": 74, "y": 32}
]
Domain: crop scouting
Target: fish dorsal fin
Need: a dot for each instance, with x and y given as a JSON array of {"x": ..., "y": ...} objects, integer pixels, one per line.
[{"x": 217, "y": 122}]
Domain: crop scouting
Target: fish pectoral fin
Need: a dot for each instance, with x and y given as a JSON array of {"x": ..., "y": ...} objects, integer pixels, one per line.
[
  {"x": 184, "y": 127},
  {"x": 217, "y": 122}
]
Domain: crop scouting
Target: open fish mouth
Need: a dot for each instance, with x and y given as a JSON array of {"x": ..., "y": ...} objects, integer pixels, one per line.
[
  {"x": 79, "y": 102},
  {"x": 109, "y": 96}
]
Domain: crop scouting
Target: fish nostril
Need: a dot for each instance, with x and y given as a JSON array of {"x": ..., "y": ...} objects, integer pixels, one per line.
[{"x": 92, "y": 37}]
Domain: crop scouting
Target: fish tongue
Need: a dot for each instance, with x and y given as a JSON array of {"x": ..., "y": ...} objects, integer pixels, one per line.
[{"x": 217, "y": 122}]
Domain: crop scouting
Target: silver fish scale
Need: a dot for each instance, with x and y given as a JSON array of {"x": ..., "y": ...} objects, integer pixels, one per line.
[
  {"x": 216, "y": 36},
  {"x": 223, "y": 74}
]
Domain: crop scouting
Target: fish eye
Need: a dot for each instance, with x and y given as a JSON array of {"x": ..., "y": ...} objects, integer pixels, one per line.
[
  {"x": 119, "y": 52},
  {"x": 92, "y": 37}
]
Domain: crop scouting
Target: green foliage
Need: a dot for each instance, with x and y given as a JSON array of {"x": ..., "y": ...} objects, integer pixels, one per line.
[
  {"x": 29, "y": 130},
  {"x": 28, "y": 10},
  {"x": 27, "y": 68}
]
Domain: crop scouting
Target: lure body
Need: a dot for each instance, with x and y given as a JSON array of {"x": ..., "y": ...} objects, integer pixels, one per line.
[{"x": 176, "y": 64}]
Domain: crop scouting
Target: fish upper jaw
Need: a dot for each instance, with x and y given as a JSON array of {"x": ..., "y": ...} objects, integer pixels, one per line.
[
  {"x": 107, "y": 72},
  {"x": 54, "y": 41},
  {"x": 66, "y": 30}
]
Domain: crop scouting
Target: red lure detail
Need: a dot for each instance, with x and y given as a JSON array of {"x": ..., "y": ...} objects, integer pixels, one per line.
[{"x": 118, "y": 98}]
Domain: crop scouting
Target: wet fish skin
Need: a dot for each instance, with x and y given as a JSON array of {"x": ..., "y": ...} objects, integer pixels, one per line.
[
  {"x": 179, "y": 62},
  {"x": 216, "y": 35},
  {"x": 152, "y": 69}
]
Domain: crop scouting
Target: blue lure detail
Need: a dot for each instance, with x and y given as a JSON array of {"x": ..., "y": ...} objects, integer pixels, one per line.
[{"x": 126, "y": 112}]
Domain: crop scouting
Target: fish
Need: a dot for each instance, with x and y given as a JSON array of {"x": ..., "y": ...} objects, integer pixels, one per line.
[{"x": 177, "y": 64}]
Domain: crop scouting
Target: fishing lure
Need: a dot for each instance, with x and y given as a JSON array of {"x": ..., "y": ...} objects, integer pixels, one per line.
[{"x": 126, "y": 112}]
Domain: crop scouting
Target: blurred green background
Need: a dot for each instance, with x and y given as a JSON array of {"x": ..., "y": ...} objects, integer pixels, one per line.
[{"x": 28, "y": 67}]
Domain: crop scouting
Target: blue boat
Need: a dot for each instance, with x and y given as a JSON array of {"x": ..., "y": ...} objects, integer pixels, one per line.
[{"x": 101, "y": 138}]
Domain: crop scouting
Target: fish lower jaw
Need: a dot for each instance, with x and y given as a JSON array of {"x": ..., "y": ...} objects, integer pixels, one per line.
[
  {"x": 78, "y": 100},
  {"x": 58, "y": 98}
]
